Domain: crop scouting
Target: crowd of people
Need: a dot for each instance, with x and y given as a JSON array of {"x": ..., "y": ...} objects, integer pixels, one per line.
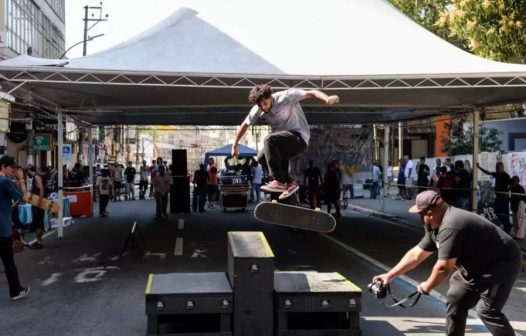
[{"x": 454, "y": 182}]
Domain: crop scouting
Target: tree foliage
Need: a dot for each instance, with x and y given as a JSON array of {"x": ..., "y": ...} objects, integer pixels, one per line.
[
  {"x": 460, "y": 140},
  {"x": 494, "y": 29}
]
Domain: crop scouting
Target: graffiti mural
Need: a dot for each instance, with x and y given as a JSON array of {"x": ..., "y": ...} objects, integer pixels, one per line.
[
  {"x": 517, "y": 166},
  {"x": 351, "y": 146}
]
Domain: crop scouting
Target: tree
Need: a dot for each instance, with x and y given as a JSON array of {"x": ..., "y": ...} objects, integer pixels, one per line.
[
  {"x": 494, "y": 29},
  {"x": 430, "y": 15},
  {"x": 460, "y": 140}
]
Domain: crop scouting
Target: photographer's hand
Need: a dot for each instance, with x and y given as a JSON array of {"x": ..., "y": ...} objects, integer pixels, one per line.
[
  {"x": 385, "y": 278},
  {"x": 423, "y": 288}
]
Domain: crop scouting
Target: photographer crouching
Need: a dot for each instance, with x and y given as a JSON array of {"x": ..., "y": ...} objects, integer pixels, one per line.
[{"x": 484, "y": 262}]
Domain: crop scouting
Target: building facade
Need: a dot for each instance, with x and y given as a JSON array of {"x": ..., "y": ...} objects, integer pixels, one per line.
[{"x": 34, "y": 27}]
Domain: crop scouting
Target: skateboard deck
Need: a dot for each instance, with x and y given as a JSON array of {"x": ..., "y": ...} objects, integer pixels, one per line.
[
  {"x": 46, "y": 203},
  {"x": 294, "y": 216}
]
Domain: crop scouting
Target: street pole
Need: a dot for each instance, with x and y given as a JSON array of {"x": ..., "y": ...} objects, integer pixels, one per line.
[
  {"x": 476, "y": 132},
  {"x": 85, "y": 45},
  {"x": 60, "y": 174}
]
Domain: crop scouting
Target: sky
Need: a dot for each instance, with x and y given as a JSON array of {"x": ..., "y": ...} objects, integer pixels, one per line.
[{"x": 127, "y": 18}]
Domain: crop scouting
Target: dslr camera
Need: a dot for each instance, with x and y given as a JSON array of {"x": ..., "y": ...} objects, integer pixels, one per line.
[{"x": 378, "y": 289}]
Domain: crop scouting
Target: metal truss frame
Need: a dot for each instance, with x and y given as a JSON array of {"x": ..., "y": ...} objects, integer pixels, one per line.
[{"x": 127, "y": 78}]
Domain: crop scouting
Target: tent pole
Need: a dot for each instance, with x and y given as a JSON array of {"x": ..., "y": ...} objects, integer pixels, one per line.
[
  {"x": 60, "y": 173},
  {"x": 476, "y": 131},
  {"x": 386, "y": 159},
  {"x": 400, "y": 140},
  {"x": 91, "y": 156}
]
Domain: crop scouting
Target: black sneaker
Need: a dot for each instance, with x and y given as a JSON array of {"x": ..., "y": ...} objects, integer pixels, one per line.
[{"x": 22, "y": 294}]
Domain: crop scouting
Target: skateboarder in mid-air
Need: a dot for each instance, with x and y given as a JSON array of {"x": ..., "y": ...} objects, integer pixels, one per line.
[{"x": 290, "y": 131}]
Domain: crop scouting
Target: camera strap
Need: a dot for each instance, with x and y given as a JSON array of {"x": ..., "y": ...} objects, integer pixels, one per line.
[{"x": 404, "y": 300}]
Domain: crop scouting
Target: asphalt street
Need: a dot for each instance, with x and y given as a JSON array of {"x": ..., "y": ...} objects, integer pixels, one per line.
[{"x": 81, "y": 286}]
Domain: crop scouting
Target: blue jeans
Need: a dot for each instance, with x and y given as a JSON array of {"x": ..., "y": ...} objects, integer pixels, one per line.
[{"x": 256, "y": 188}]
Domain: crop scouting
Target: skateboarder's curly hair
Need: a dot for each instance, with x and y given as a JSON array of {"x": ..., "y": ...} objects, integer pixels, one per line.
[{"x": 259, "y": 92}]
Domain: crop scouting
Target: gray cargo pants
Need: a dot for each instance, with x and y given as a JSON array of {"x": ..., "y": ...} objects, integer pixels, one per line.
[{"x": 488, "y": 295}]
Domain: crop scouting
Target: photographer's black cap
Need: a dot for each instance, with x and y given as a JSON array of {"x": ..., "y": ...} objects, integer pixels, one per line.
[{"x": 424, "y": 201}]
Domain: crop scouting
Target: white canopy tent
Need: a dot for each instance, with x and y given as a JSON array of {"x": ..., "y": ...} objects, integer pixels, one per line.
[{"x": 197, "y": 65}]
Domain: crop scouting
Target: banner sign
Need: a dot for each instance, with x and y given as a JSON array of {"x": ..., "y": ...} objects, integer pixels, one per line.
[{"x": 42, "y": 142}]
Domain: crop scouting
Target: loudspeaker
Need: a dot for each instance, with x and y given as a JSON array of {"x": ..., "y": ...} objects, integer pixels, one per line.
[
  {"x": 180, "y": 195},
  {"x": 179, "y": 165}
]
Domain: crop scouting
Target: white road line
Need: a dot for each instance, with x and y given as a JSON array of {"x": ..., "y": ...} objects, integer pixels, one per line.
[
  {"x": 178, "y": 250},
  {"x": 180, "y": 225}
]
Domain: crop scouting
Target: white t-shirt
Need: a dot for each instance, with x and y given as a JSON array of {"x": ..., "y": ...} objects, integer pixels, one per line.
[
  {"x": 104, "y": 184},
  {"x": 389, "y": 172},
  {"x": 409, "y": 165},
  {"x": 285, "y": 115}
]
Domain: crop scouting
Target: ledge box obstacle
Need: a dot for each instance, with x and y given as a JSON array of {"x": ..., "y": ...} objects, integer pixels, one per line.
[
  {"x": 189, "y": 304},
  {"x": 312, "y": 303},
  {"x": 251, "y": 274}
]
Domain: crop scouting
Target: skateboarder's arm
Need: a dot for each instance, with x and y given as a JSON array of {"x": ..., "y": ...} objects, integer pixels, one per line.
[
  {"x": 240, "y": 133},
  {"x": 329, "y": 100}
]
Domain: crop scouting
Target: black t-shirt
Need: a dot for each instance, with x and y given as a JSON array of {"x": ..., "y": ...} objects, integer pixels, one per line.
[
  {"x": 478, "y": 244},
  {"x": 423, "y": 172},
  {"x": 502, "y": 182},
  {"x": 313, "y": 177},
  {"x": 462, "y": 181},
  {"x": 130, "y": 172},
  {"x": 201, "y": 178},
  {"x": 515, "y": 199}
]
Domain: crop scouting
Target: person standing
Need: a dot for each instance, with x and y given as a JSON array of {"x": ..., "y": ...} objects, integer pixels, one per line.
[
  {"x": 257, "y": 179},
  {"x": 332, "y": 189},
  {"x": 518, "y": 206},
  {"x": 9, "y": 192},
  {"x": 104, "y": 186},
  {"x": 389, "y": 175},
  {"x": 461, "y": 186},
  {"x": 200, "y": 183},
  {"x": 153, "y": 172},
  {"x": 290, "y": 130},
  {"x": 213, "y": 183},
  {"x": 312, "y": 180},
  {"x": 129, "y": 173},
  {"x": 502, "y": 199},
  {"x": 409, "y": 177},
  {"x": 422, "y": 173},
  {"x": 117, "y": 176},
  {"x": 39, "y": 188},
  {"x": 401, "y": 180},
  {"x": 482, "y": 260},
  {"x": 144, "y": 173},
  {"x": 376, "y": 176},
  {"x": 161, "y": 186}
]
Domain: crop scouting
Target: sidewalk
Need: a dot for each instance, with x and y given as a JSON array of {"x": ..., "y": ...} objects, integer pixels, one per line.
[{"x": 395, "y": 210}]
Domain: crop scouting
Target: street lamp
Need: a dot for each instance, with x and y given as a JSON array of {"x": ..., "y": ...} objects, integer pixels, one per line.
[
  {"x": 90, "y": 38},
  {"x": 94, "y": 19}
]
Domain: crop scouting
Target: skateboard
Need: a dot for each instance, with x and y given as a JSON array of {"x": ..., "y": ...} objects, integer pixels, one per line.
[
  {"x": 294, "y": 216},
  {"x": 46, "y": 203}
]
